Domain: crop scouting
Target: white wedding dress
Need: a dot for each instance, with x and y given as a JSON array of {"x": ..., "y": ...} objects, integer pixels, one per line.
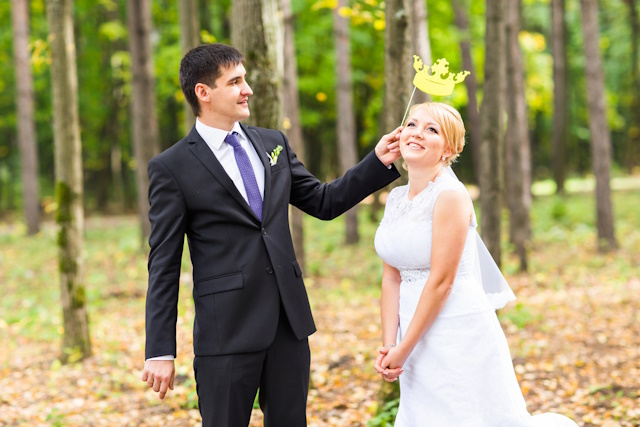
[{"x": 460, "y": 374}]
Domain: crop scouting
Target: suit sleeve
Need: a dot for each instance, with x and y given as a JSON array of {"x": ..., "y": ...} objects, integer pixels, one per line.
[
  {"x": 167, "y": 215},
  {"x": 329, "y": 200}
]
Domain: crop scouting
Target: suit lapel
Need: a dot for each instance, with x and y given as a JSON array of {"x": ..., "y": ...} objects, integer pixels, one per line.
[
  {"x": 256, "y": 141},
  {"x": 202, "y": 151}
]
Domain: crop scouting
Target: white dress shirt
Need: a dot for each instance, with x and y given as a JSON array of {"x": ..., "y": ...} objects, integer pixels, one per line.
[{"x": 225, "y": 155}]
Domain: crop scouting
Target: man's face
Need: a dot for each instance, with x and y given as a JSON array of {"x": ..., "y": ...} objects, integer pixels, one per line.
[{"x": 229, "y": 99}]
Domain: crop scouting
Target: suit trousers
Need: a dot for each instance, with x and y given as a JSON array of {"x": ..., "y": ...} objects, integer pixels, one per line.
[{"x": 227, "y": 384}]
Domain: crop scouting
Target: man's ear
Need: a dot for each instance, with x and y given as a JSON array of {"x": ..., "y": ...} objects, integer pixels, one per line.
[{"x": 203, "y": 92}]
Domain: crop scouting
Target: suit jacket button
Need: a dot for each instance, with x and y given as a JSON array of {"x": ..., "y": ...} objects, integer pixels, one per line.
[
  {"x": 269, "y": 270},
  {"x": 264, "y": 231}
]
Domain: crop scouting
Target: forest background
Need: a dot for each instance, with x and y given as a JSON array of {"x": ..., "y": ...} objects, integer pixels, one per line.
[{"x": 574, "y": 330}]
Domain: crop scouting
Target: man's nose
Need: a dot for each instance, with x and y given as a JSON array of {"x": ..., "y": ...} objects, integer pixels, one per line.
[{"x": 247, "y": 89}]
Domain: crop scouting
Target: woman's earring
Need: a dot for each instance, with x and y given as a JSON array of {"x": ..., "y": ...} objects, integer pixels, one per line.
[{"x": 443, "y": 158}]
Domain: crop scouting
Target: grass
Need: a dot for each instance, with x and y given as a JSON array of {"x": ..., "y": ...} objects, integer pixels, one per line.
[{"x": 115, "y": 267}]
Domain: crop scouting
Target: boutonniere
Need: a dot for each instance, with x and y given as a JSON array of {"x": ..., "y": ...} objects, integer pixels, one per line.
[{"x": 273, "y": 157}]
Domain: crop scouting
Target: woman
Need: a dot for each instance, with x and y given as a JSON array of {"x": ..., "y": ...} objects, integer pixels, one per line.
[{"x": 451, "y": 355}]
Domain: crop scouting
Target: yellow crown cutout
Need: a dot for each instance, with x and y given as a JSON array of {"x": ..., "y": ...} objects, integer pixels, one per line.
[{"x": 441, "y": 81}]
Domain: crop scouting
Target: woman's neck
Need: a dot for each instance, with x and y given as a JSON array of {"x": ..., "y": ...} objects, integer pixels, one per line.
[{"x": 419, "y": 178}]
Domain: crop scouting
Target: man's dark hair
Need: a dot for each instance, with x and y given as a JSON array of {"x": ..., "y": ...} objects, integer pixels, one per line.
[{"x": 204, "y": 64}]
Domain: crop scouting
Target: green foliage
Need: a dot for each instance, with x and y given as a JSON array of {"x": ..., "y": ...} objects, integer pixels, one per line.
[
  {"x": 520, "y": 315},
  {"x": 387, "y": 415}
]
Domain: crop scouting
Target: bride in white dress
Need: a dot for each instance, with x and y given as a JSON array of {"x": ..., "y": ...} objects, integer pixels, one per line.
[{"x": 440, "y": 289}]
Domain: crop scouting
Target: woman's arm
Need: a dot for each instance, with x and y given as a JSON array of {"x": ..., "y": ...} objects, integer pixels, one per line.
[
  {"x": 389, "y": 312},
  {"x": 451, "y": 218}
]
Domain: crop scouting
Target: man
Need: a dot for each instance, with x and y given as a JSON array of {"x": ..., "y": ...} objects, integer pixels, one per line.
[{"x": 227, "y": 186}]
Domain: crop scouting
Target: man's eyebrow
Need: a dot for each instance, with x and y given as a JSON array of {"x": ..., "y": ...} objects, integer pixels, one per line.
[{"x": 235, "y": 77}]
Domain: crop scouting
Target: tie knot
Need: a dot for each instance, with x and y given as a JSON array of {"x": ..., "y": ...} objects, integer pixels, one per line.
[{"x": 232, "y": 139}]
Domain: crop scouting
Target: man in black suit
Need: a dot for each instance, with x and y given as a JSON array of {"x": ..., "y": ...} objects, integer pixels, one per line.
[{"x": 227, "y": 186}]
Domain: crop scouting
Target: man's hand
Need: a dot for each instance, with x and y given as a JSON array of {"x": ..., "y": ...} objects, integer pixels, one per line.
[
  {"x": 159, "y": 375},
  {"x": 388, "y": 148}
]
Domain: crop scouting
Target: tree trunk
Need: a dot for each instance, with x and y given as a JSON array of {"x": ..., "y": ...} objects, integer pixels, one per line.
[
  {"x": 417, "y": 41},
  {"x": 291, "y": 122},
  {"x": 346, "y": 122},
  {"x": 473, "y": 121},
  {"x": 517, "y": 137},
  {"x": 633, "y": 143},
  {"x": 76, "y": 343},
  {"x": 396, "y": 95},
  {"x": 26, "y": 116},
  {"x": 189, "y": 38},
  {"x": 560, "y": 96},
  {"x": 492, "y": 124},
  {"x": 600, "y": 135},
  {"x": 397, "y": 83},
  {"x": 204, "y": 16},
  {"x": 143, "y": 121},
  {"x": 256, "y": 32}
]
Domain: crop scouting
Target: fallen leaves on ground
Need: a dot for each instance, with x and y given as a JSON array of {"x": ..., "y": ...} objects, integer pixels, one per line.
[{"x": 574, "y": 334}]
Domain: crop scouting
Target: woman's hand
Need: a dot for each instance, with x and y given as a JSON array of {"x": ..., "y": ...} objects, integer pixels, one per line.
[{"x": 386, "y": 363}]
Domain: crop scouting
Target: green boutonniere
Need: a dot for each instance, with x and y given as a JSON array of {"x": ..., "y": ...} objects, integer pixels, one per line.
[{"x": 273, "y": 157}]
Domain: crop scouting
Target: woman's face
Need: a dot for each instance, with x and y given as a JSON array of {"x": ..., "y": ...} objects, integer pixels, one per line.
[{"x": 422, "y": 141}]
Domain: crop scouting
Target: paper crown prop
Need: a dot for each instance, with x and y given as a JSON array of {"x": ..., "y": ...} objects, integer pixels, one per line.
[{"x": 439, "y": 82}]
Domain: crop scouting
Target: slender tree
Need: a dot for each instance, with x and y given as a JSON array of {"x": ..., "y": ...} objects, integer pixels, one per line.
[
  {"x": 346, "y": 122},
  {"x": 189, "y": 38},
  {"x": 517, "y": 138},
  {"x": 256, "y": 32},
  {"x": 143, "y": 121},
  {"x": 26, "y": 116},
  {"x": 633, "y": 143},
  {"x": 397, "y": 83},
  {"x": 473, "y": 116},
  {"x": 560, "y": 96},
  {"x": 492, "y": 124},
  {"x": 600, "y": 134},
  {"x": 76, "y": 343},
  {"x": 291, "y": 123},
  {"x": 417, "y": 40}
]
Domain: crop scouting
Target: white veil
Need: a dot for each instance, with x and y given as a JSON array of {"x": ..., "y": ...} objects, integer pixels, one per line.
[{"x": 493, "y": 282}]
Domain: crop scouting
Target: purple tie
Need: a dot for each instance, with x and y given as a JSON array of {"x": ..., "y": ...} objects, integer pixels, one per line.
[{"x": 246, "y": 171}]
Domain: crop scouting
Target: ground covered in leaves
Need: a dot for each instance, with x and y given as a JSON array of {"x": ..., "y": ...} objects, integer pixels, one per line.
[{"x": 574, "y": 331}]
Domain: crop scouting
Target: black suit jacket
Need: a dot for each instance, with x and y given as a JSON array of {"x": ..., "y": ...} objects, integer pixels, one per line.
[{"x": 242, "y": 268}]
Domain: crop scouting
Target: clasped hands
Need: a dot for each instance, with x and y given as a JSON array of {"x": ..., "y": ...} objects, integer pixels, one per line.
[{"x": 389, "y": 362}]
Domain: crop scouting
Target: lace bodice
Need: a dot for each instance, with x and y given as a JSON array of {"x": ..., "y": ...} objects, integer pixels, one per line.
[
  {"x": 403, "y": 239},
  {"x": 399, "y": 207}
]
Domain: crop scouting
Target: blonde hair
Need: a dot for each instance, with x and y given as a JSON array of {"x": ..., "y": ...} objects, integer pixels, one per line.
[{"x": 451, "y": 123}]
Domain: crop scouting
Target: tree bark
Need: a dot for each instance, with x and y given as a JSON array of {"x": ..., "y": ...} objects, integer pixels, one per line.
[
  {"x": 517, "y": 137},
  {"x": 633, "y": 143},
  {"x": 473, "y": 122},
  {"x": 189, "y": 38},
  {"x": 396, "y": 95},
  {"x": 143, "y": 121},
  {"x": 560, "y": 96},
  {"x": 76, "y": 343},
  {"x": 346, "y": 122},
  {"x": 26, "y": 116},
  {"x": 600, "y": 134},
  {"x": 417, "y": 41},
  {"x": 492, "y": 125},
  {"x": 256, "y": 32},
  {"x": 291, "y": 123},
  {"x": 397, "y": 83}
]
